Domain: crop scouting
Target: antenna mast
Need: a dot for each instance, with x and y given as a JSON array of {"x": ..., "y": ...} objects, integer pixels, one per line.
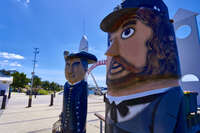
[{"x": 36, "y": 51}]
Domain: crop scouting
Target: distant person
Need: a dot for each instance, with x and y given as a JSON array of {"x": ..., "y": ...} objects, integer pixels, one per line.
[
  {"x": 74, "y": 113},
  {"x": 143, "y": 72},
  {"x": 35, "y": 93}
]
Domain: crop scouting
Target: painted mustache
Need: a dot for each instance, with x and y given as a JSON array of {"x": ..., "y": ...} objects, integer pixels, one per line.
[{"x": 124, "y": 64}]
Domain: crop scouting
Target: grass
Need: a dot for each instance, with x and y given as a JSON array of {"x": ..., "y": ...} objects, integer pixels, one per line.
[{"x": 42, "y": 92}]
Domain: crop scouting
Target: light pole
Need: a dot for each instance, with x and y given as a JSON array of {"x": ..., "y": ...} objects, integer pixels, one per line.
[{"x": 36, "y": 51}]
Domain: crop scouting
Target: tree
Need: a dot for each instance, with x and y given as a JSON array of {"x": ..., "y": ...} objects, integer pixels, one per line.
[
  {"x": 37, "y": 81},
  {"x": 19, "y": 80},
  {"x": 45, "y": 85},
  {"x": 52, "y": 86},
  {"x": 3, "y": 71},
  {"x": 55, "y": 87}
]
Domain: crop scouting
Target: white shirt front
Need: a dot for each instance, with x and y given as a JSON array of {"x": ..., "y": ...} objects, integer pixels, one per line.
[
  {"x": 74, "y": 83},
  {"x": 135, "y": 109}
]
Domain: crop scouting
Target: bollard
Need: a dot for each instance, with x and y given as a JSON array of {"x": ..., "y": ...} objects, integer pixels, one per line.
[
  {"x": 30, "y": 100},
  {"x": 51, "y": 102},
  {"x": 3, "y": 106},
  {"x": 9, "y": 94}
]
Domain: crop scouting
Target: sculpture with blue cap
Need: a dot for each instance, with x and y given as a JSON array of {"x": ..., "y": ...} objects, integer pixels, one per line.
[{"x": 144, "y": 95}]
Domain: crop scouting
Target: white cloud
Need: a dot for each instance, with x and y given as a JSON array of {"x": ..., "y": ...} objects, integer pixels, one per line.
[
  {"x": 15, "y": 64},
  {"x": 11, "y": 56},
  {"x": 24, "y": 2},
  {"x": 4, "y": 63},
  {"x": 7, "y": 63},
  {"x": 27, "y": 1}
]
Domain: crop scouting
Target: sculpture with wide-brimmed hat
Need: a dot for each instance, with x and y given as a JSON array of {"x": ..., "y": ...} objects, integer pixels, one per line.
[{"x": 74, "y": 112}]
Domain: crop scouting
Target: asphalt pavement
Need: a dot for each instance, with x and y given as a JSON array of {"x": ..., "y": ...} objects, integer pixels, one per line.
[{"x": 39, "y": 118}]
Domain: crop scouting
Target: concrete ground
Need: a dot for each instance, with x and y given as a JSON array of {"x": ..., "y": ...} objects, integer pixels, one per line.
[{"x": 39, "y": 118}]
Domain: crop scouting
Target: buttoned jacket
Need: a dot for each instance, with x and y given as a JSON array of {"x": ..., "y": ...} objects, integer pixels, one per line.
[{"x": 74, "y": 107}]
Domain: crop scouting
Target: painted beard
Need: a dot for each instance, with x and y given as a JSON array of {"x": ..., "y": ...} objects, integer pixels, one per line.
[{"x": 122, "y": 74}]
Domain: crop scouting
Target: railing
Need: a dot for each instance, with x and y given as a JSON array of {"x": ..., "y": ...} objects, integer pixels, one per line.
[
  {"x": 56, "y": 127},
  {"x": 102, "y": 119}
]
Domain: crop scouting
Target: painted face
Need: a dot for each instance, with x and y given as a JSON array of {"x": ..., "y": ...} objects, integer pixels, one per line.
[
  {"x": 127, "y": 52},
  {"x": 74, "y": 70}
]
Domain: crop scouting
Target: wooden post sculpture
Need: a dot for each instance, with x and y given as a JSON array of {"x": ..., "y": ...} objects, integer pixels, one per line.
[
  {"x": 143, "y": 95},
  {"x": 73, "y": 116}
]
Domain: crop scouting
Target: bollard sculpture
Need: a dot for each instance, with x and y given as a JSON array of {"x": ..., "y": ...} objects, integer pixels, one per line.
[
  {"x": 74, "y": 113},
  {"x": 143, "y": 70}
]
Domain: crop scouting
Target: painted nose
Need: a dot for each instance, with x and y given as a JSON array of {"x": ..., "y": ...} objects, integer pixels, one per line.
[
  {"x": 71, "y": 69},
  {"x": 113, "y": 50}
]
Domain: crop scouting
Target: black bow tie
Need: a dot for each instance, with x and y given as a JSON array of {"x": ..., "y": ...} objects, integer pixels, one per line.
[
  {"x": 123, "y": 106},
  {"x": 71, "y": 86}
]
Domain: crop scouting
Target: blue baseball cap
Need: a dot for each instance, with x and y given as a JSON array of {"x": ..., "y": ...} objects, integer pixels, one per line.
[{"x": 131, "y": 6}]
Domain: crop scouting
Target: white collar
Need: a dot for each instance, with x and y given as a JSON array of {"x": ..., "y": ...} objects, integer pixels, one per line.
[
  {"x": 119, "y": 99},
  {"x": 74, "y": 83}
]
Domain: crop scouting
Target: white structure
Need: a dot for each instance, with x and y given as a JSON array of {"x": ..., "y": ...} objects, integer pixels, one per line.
[
  {"x": 5, "y": 82},
  {"x": 188, "y": 45},
  {"x": 83, "y": 44}
]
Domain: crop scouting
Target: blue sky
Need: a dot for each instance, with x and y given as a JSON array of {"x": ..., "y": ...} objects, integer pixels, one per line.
[{"x": 54, "y": 26}]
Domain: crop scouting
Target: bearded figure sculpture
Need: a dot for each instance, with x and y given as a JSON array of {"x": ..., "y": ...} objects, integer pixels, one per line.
[{"x": 143, "y": 70}]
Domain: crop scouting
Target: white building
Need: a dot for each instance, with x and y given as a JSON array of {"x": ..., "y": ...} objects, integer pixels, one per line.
[{"x": 5, "y": 82}]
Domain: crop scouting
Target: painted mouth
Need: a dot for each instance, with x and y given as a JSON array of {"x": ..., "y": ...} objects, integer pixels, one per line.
[
  {"x": 71, "y": 75},
  {"x": 116, "y": 68}
]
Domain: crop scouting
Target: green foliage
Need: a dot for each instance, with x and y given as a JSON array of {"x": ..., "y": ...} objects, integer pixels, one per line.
[
  {"x": 36, "y": 81},
  {"x": 51, "y": 86},
  {"x": 3, "y": 71},
  {"x": 55, "y": 87},
  {"x": 45, "y": 85},
  {"x": 42, "y": 92},
  {"x": 19, "y": 80},
  {"x": 23, "y": 90},
  {"x": 27, "y": 87}
]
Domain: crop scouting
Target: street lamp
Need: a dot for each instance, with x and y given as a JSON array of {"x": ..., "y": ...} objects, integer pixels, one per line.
[{"x": 33, "y": 73}]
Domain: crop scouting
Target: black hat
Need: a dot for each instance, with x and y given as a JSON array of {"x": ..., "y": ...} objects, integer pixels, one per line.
[
  {"x": 132, "y": 6},
  {"x": 84, "y": 55}
]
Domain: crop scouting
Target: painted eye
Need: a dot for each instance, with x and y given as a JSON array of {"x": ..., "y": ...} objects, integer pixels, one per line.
[{"x": 128, "y": 32}]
